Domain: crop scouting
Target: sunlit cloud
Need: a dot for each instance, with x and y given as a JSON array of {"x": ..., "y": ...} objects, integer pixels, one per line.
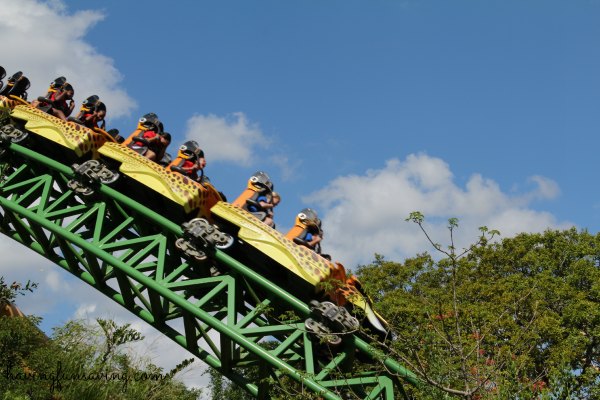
[
  {"x": 287, "y": 168},
  {"x": 45, "y": 41},
  {"x": 545, "y": 188},
  {"x": 233, "y": 139},
  {"x": 366, "y": 214}
]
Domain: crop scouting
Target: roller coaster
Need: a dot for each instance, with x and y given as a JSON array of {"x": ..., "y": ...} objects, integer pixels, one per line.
[{"x": 209, "y": 274}]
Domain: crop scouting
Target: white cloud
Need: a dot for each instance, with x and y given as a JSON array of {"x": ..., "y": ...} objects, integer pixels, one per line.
[
  {"x": 15, "y": 256},
  {"x": 84, "y": 310},
  {"x": 286, "y": 167},
  {"x": 365, "y": 214},
  {"x": 54, "y": 282},
  {"x": 44, "y": 41},
  {"x": 232, "y": 139},
  {"x": 546, "y": 188}
]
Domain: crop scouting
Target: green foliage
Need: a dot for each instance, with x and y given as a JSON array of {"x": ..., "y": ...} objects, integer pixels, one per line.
[
  {"x": 3, "y": 170},
  {"x": 116, "y": 335},
  {"x": 281, "y": 388},
  {"x": 517, "y": 318},
  {"x": 80, "y": 361},
  {"x": 8, "y": 293},
  {"x": 221, "y": 388}
]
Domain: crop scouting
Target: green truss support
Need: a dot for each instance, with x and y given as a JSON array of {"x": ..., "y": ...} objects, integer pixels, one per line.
[{"x": 229, "y": 321}]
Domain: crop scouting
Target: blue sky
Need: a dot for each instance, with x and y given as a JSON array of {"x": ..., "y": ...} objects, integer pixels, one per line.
[
  {"x": 507, "y": 89},
  {"x": 483, "y": 110}
]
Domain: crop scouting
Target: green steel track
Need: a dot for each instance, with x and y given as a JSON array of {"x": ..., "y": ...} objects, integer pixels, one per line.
[{"x": 128, "y": 253}]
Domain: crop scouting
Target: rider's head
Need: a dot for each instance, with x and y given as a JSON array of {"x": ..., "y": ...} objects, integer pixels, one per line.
[
  {"x": 68, "y": 89},
  {"x": 260, "y": 181},
  {"x": 150, "y": 122},
  {"x": 276, "y": 198},
  {"x": 308, "y": 217},
  {"x": 100, "y": 107},
  {"x": 57, "y": 84},
  {"x": 190, "y": 150},
  {"x": 91, "y": 104}
]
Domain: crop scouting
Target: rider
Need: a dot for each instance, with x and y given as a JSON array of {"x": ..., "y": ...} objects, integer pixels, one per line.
[
  {"x": 60, "y": 101},
  {"x": 257, "y": 198},
  {"x": 149, "y": 138},
  {"x": 92, "y": 113},
  {"x": 274, "y": 201},
  {"x": 55, "y": 85},
  {"x": 165, "y": 141},
  {"x": 190, "y": 160},
  {"x": 307, "y": 230},
  {"x": 42, "y": 102}
]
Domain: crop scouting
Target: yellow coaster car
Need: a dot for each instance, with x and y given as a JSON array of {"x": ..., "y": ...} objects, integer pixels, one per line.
[
  {"x": 49, "y": 135},
  {"x": 304, "y": 272},
  {"x": 192, "y": 198}
]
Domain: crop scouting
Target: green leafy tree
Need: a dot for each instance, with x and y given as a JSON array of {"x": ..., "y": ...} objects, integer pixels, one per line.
[
  {"x": 79, "y": 361},
  {"x": 516, "y": 318},
  {"x": 282, "y": 388},
  {"x": 8, "y": 293}
]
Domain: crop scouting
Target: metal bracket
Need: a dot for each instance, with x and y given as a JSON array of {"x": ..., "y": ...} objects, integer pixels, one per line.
[
  {"x": 13, "y": 134},
  {"x": 329, "y": 321},
  {"x": 89, "y": 174},
  {"x": 200, "y": 237}
]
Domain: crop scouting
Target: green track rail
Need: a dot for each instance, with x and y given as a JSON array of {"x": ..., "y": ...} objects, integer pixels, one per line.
[{"x": 128, "y": 253}]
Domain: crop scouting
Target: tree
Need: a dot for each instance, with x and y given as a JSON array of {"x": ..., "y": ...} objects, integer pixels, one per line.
[
  {"x": 283, "y": 388},
  {"x": 78, "y": 361},
  {"x": 516, "y": 318},
  {"x": 8, "y": 293}
]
